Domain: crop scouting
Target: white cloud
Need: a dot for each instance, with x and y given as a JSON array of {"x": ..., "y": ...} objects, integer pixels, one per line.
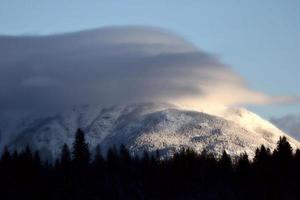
[{"x": 116, "y": 65}]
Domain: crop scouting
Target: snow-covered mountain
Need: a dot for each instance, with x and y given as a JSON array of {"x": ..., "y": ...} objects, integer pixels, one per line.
[{"x": 148, "y": 126}]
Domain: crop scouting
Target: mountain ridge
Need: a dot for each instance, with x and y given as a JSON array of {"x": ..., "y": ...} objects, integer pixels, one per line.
[{"x": 151, "y": 126}]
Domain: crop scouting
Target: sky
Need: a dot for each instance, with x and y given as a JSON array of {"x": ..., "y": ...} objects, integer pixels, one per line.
[{"x": 259, "y": 40}]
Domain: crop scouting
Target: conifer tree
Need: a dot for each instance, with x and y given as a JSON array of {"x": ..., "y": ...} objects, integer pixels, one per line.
[
  {"x": 37, "y": 160},
  {"x": 6, "y": 157},
  {"x": 81, "y": 153},
  {"x": 124, "y": 154},
  {"x": 27, "y": 156},
  {"x": 65, "y": 159},
  {"x": 98, "y": 159},
  {"x": 225, "y": 161},
  {"x": 112, "y": 155},
  {"x": 296, "y": 163},
  {"x": 157, "y": 154},
  {"x": 243, "y": 165},
  {"x": 262, "y": 155},
  {"x": 283, "y": 152},
  {"x": 297, "y": 157}
]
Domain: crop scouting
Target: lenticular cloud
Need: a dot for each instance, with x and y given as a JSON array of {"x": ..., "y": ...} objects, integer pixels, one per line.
[{"x": 116, "y": 65}]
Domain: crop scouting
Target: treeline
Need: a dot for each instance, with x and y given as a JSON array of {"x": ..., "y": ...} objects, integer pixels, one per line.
[{"x": 188, "y": 175}]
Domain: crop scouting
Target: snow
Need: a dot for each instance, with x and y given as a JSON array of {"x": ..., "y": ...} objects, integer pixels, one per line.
[{"x": 149, "y": 126}]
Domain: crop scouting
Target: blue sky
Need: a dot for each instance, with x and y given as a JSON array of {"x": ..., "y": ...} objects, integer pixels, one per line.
[{"x": 259, "y": 39}]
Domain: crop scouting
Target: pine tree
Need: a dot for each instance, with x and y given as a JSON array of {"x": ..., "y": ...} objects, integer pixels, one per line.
[
  {"x": 243, "y": 165},
  {"x": 146, "y": 156},
  {"x": 27, "y": 157},
  {"x": 37, "y": 160},
  {"x": 225, "y": 161},
  {"x": 283, "y": 152},
  {"x": 157, "y": 154},
  {"x": 296, "y": 164},
  {"x": 124, "y": 154},
  {"x": 262, "y": 156},
  {"x": 112, "y": 157},
  {"x": 6, "y": 160},
  {"x": 98, "y": 160},
  {"x": 297, "y": 157},
  {"x": 65, "y": 159},
  {"x": 6, "y": 157},
  {"x": 81, "y": 153}
]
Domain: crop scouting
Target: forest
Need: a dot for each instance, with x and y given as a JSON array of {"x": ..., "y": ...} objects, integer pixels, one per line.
[{"x": 81, "y": 175}]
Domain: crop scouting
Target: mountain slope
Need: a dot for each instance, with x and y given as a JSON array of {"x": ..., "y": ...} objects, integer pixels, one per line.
[{"x": 150, "y": 127}]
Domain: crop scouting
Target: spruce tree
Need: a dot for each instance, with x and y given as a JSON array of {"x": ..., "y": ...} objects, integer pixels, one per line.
[
  {"x": 81, "y": 153},
  {"x": 243, "y": 165},
  {"x": 124, "y": 154},
  {"x": 65, "y": 156},
  {"x": 283, "y": 152},
  {"x": 297, "y": 157},
  {"x": 112, "y": 157},
  {"x": 243, "y": 161},
  {"x": 6, "y": 157},
  {"x": 296, "y": 163},
  {"x": 37, "y": 160},
  {"x": 262, "y": 156},
  {"x": 225, "y": 161},
  {"x": 27, "y": 157},
  {"x": 98, "y": 159}
]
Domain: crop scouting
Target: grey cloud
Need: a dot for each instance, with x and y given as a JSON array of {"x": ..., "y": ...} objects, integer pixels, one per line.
[{"x": 115, "y": 65}]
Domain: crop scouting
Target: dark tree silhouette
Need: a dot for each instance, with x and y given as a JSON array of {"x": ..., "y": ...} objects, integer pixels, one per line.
[
  {"x": 124, "y": 154},
  {"x": 283, "y": 153},
  {"x": 98, "y": 159},
  {"x": 243, "y": 165},
  {"x": 262, "y": 157},
  {"x": 226, "y": 162},
  {"x": 297, "y": 158},
  {"x": 81, "y": 153},
  {"x": 6, "y": 157},
  {"x": 112, "y": 155},
  {"x": 65, "y": 158},
  {"x": 187, "y": 175}
]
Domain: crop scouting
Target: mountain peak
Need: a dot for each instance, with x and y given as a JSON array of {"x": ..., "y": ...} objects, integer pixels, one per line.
[{"x": 150, "y": 126}]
